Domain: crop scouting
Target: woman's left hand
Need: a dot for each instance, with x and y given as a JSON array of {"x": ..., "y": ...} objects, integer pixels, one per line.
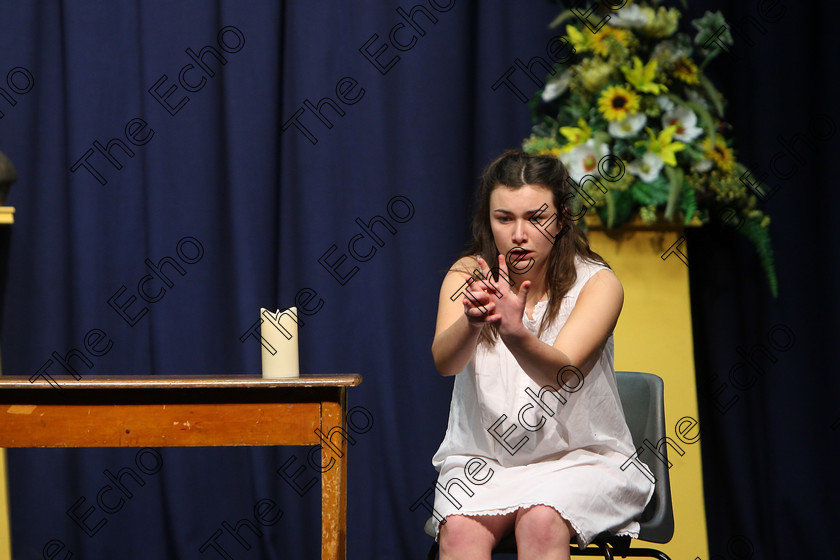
[{"x": 509, "y": 306}]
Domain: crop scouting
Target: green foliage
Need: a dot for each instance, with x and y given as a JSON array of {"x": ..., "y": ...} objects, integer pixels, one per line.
[
  {"x": 752, "y": 229},
  {"x": 651, "y": 194},
  {"x": 619, "y": 208},
  {"x": 688, "y": 203}
]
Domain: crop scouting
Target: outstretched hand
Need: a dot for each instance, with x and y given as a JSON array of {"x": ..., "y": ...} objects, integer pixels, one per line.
[{"x": 492, "y": 301}]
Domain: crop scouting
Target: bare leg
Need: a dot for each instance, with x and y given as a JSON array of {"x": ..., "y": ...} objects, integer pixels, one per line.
[
  {"x": 542, "y": 534},
  {"x": 473, "y": 537}
]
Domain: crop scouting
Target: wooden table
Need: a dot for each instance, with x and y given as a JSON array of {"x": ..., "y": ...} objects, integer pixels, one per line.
[{"x": 171, "y": 411}]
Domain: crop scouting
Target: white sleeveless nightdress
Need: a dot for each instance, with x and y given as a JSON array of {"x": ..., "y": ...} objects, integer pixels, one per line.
[{"x": 509, "y": 446}]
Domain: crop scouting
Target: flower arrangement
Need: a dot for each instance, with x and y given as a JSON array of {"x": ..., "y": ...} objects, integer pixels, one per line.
[{"x": 636, "y": 92}]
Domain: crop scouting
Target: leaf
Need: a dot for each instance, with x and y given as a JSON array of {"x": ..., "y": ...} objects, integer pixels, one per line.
[
  {"x": 619, "y": 207},
  {"x": 711, "y": 27},
  {"x": 601, "y": 137},
  {"x": 560, "y": 19},
  {"x": 688, "y": 204},
  {"x": 675, "y": 180},
  {"x": 713, "y": 93},
  {"x": 650, "y": 194},
  {"x": 760, "y": 238},
  {"x": 709, "y": 57},
  {"x": 756, "y": 182},
  {"x": 708, "y": 122}
]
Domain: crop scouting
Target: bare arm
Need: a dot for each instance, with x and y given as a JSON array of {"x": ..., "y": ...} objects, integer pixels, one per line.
[
  {"x": 459, "y": 322},
  {"x": 589, "y": 325}
]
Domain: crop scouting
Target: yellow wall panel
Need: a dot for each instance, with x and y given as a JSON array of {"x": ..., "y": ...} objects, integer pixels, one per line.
[{"x": 654, "y": 335}]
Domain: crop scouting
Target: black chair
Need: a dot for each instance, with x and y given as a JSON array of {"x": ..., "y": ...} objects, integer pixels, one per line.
[{"x": 642, "y": 398}]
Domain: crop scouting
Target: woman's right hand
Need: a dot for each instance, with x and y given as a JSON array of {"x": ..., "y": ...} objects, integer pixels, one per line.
[
  {"x": 479, "y": 302},
  {"x": 464, "y": 305}
]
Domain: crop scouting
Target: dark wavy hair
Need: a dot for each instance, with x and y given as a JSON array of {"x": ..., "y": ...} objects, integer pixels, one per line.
[{"x": 515, "y": 169}]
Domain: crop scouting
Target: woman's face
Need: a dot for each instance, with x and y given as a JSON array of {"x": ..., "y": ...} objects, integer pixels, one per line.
[{"x": 521, "y": 231}]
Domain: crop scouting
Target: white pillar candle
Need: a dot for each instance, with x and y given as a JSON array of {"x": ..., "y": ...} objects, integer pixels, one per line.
[{"x": 279, "y": 331}]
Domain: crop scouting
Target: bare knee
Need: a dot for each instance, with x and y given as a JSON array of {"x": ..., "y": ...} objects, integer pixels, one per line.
[
  {"x": 542, "y": 528},
  {"x": 464, "y": 537}
]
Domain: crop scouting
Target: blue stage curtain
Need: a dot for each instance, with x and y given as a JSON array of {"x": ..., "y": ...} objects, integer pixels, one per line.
[
  {"x": 223, "y": 191},
  {"x": 236, "y": 213}
]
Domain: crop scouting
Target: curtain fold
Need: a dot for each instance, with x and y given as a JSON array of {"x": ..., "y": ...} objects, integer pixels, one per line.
[{"x": 200, "y": 117}]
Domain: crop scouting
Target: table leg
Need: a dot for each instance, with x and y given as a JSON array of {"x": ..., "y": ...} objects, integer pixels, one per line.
[{"x": 334, "y": 481}]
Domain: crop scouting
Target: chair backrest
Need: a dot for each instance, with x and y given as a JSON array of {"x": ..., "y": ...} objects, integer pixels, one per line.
[{"x": 643, "y": 400}]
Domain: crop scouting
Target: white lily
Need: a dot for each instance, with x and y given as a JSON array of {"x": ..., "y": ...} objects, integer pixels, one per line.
[
  {"x": 664, "y": 103},
  {"x": 555, "y": 89},
  {"x": 583, "y": 159},
  {"x": 631, "y": 17},
  {"x": 695, "y": 97},
  {"x": 703, "y": 165},
  {"x": 686, "y": 121},
  {"x": 668, "y": 52},
  {"x": 648, "y": 169},
  {"x": 627, "y": 127}
]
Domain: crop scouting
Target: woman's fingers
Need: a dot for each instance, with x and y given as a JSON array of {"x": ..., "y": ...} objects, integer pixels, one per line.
[
  {"x": 479, "y": 310},
  {"x": 487, "y": 277},
  {"x": 492, "y": 301},
  {"x": 503, "y": 265},
  {"x": 478, "y": 313},
  {"x": 477, "y": 297},
  {"x": 477, "y": 284},
  {"x": 523, "y": 291},
  {"x": 485, "y": 268},
  {"x": 485, "y": 283}
]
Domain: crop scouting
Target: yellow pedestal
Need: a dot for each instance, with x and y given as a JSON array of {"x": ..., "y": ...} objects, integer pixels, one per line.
[{"x": 654, "y": 335}]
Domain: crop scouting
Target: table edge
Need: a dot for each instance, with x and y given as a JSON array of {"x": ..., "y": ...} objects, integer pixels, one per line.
[{"x": 180, "y": 382}]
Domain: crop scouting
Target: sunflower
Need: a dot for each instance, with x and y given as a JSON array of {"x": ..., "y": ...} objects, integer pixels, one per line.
[
  {"x": 617, "y": 102},
  {"x": 686, "y": 70},
  {"x": 721, "y": 154},
  {"x": 609, "y": 36},
  {"x": 606, "y": 39}
]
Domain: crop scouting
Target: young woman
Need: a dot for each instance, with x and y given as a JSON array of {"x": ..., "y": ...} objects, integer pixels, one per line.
[{"x": 536, "y": 437}]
